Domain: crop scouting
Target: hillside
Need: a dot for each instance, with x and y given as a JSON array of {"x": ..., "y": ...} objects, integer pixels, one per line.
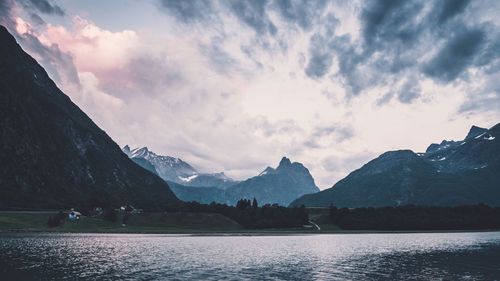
[
  {"x": 52, "y": 155},
  {"x": 451, "y": 173}
]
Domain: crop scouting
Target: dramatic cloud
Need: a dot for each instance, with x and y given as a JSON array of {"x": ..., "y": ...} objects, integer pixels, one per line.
[
  {"x": 188, "y": 10},
  {"x": 43, "y": 6},
  {"x": 301, "y": 12},
  {"x": 236, "y": 85},
  {"x": 456, "y": 56},
  {"x": 59, "y": 64}
]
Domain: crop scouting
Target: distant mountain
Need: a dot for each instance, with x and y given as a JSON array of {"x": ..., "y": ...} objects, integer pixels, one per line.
[
  {"x": 52, "y": 155},
  {"x": 176, "y": 170},
  {"x": 281, "y": 185},
  {"x": 205, "y": 195},
  {"x": 447, "y": 174}
]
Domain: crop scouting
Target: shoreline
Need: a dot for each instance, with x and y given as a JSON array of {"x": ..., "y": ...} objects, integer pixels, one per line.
[
  {"x": 275, "y": 232},
  {"x": 179, "y": 223}
]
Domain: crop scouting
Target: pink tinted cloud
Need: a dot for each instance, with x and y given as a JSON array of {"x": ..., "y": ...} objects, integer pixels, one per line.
[
  {"x": 104, "y": 53},
  {"x": 94, "y": 49}
]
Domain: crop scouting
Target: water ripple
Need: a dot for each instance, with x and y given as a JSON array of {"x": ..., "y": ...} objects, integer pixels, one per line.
[{"x": 429, "y": 256}]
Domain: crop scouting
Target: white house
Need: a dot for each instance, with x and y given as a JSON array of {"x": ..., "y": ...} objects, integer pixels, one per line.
[{"x": 74, "y": 215}]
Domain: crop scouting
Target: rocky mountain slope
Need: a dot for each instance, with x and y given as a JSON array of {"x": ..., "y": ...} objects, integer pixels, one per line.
[
  {"x": 281, "y": 185},
  {"x": 176, "y": 170},
  {"x": 51, "y": 153},
  {"x": 448, "y": 174}
]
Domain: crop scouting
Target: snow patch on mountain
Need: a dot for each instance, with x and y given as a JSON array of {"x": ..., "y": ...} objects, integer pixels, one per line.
[{"x": 176, "y": 170}]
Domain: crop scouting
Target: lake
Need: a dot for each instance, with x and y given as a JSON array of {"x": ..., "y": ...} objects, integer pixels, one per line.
[{"x": 419, "y": 256}]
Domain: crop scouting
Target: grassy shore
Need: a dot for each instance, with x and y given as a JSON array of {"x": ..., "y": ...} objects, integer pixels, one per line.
[
  {"x": 159, "y": 223},
  {"x": 175, "y": 222},
  {"x": 171, "y": 222}
]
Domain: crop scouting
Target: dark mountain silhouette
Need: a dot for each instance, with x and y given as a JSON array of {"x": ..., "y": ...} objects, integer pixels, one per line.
[
  {"x": 451, "y": 173},
  {"x": 51, "y": 153}
]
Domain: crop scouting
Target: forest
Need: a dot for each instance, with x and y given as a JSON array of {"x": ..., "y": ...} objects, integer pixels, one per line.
[
  {"x": 250, "y": 215},
  {"x": 412, "y": 217}
]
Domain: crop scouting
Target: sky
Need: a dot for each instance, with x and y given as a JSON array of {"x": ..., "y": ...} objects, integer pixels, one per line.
[{"x": 234, "y": 86}]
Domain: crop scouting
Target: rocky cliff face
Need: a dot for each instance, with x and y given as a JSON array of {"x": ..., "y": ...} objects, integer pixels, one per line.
[{"x": 51, "y": 153}]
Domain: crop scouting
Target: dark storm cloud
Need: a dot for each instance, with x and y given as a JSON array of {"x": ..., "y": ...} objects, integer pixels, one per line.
[
  {"x": 187, "y": 10},
  {"x": 456, "y": 56},
  {"x": 406, "y": 93},
  {"x": 301, "y": 12},
  {"x": 409, "y": 91},
  {"x": 321, "y": 50},
  {"x": 490, "y": 52},
  {"x": 321, "y": 57},
  {"x": 395, "y": 35},
  {"x": 5, "y": 16},
  {"x": 385, "y": 21},
  {"x": 253, "y": 13},
  {"x": 33, "y": 7},
  {"x": 44, "y": 6},
  {"x": 450, "y": 8}
]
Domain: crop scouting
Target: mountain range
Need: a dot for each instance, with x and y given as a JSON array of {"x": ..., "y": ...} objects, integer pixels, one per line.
[
  {"x": 176, "y": 170},
  {"x": 52, "y": 155},
  {"x": 450, "y": 173},
  {"x": 281, "y": 185}
]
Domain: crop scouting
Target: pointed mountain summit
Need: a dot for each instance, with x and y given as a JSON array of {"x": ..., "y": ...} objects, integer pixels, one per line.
[
  {"x": 284, "y": 163},
  {"x": 281, "y": 185},
  {"x": 126, "y": 149},
  {"x": 51, "y": 153},
  {"x": 475, "y": 131}
]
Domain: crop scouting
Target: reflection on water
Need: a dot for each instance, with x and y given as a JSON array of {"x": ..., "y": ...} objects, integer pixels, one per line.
[{"x": 449, "y": 256}]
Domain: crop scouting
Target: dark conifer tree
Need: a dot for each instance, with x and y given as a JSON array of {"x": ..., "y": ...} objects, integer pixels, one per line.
[{"x": 255, "y": 204}]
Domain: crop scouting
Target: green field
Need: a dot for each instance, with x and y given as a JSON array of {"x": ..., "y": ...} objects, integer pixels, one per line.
[
  {"x": 167, "y": 222},
  {"x": 172, "y": 222}
]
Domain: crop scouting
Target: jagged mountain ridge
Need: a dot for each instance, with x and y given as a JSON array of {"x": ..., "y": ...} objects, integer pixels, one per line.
[
  {"x": 51, "y": 153},
  {"x": 175, "y": 170},
  {"x": 447, "y": 174},
  {"x": 281, "y": 185}
]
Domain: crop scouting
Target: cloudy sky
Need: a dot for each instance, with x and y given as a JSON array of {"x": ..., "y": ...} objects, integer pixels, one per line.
[{"x": 235, "y": 85}]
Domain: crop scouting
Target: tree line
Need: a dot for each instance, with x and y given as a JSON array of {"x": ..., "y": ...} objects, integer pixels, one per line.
[
  {"x": 412, "y": 217},
  {"x": 249, "y": 215},
  {"x": 246, "y": 212}
]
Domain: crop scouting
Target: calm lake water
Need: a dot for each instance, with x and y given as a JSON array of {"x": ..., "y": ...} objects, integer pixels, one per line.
[{"x": 426, "y": 256}]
